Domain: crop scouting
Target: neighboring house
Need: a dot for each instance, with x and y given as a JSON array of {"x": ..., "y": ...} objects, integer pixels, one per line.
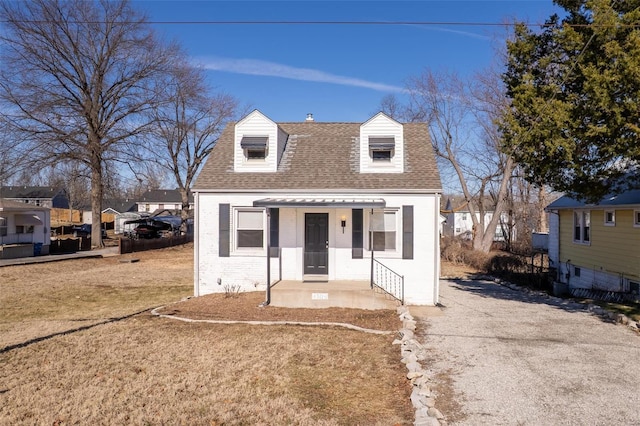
[
  {"x": 306, "y": 201},
  {"x": 24, "y": 229},
  {"x": 597, "y": 246},
  {"x": 161, "y": 199},
  {"x": 120, "y": 210},
  {"x": 459, "y": 222},
  {"x": 41, "y": 196}
]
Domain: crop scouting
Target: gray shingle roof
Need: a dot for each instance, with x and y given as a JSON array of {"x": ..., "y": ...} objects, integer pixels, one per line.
[
  {"x": 627, "y": 198},
  {"x": 163, "y": 196},
  {"x": 323, "y": 156}
]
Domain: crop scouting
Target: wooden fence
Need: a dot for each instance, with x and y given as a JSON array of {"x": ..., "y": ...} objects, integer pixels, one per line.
[{"x": 132, "y": 246}]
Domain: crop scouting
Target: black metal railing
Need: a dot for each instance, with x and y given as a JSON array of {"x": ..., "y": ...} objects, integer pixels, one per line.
[{"x": 387, "y": 280}]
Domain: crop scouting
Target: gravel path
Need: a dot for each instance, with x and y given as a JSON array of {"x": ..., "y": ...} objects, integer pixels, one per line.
[{"x": 522, "y": 359}]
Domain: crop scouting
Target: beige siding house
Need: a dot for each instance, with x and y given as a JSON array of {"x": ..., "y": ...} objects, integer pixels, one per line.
[
  {"x": 308, "y": 201},
  {"x": 597, "y": 246}
]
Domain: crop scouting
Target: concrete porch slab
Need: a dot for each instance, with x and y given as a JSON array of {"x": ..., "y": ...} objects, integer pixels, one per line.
[{"x": 329, "y": 294}]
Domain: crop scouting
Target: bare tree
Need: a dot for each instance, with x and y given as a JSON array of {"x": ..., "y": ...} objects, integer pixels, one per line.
[
  {"x": 462, "y": 117},
  {"x": 187, "y": 126},
  {"x": 76, "y": 78},
  {"x": 74, "y": 179}
]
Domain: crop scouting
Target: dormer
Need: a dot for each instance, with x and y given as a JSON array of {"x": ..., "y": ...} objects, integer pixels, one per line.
[
  {"x": 258, "y": 144},
  {"x": 381, "y": 145}
]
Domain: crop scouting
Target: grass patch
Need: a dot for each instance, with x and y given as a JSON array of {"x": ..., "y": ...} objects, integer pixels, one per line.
[
  {"x": 149, "y": 370},
  {"x": 632, "y": 310}
]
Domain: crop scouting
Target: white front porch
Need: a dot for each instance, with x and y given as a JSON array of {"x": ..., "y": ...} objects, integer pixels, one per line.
[{"x": 339, "y": 294}]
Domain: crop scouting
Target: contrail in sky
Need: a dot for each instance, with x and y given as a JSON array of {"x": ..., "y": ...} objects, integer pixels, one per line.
[{"x": 272, "y": 69}]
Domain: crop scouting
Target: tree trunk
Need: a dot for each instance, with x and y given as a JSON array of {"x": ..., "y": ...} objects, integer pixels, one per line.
[
  {"x": 96, "y": 202},
  {"x": 184, "y": 214}
]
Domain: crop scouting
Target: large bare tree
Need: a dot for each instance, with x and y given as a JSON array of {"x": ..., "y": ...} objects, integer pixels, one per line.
[
  {"x": 76, "y": 78},
  {"x": 462, "y": 118},
  {"x": 187, "y": 126}
]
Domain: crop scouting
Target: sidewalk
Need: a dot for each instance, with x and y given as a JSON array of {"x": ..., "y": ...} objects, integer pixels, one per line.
[{"x": 105, "y": 252}]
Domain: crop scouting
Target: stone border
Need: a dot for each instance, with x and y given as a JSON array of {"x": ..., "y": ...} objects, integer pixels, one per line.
[
  {"x": 592, "y": 308},
  {"x": 412, "y": 352},
  {"x": 329, "y": 324}
]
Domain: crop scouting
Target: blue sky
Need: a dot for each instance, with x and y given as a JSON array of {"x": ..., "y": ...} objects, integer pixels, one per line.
[{"x": 336, "y": 72}]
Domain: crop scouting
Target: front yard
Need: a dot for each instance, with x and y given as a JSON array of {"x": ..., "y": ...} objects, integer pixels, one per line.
[{"x": 74, "y": 351}]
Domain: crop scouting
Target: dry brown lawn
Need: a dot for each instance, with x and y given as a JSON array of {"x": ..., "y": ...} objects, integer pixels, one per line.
[{"x": 79, "y": 346}]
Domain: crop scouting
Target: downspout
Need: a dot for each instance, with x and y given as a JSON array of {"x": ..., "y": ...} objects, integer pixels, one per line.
[
  {"x": 196, "y": 245},
  {"x": 371, "y": 245},
  {"x": 268, "y": 301},
  {"x": 436, "y": 254}
]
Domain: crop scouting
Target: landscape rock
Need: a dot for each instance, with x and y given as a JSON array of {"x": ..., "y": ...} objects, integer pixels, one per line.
[{"x": 434, "y": 412}]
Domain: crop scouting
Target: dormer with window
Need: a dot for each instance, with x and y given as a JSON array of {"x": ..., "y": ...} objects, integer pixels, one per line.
[
  {"x": 381, "y": 145},
  {"x": 258, "y": 144}
]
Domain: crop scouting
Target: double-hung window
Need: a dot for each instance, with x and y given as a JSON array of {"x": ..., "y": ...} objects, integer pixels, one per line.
[
  {"x": 3, "y": 226},
  {"x": 249, "y": 228},
  {"x": 384, "y": 229},
  {"x": 636, "y": 218},
  {"x": 582, "y": 226}
]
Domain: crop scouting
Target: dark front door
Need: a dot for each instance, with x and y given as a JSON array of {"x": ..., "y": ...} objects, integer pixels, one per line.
[{"x": 316, "y": 243}]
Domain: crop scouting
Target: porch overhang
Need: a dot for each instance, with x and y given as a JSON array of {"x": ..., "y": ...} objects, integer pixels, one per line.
[{"x": 357, "y": 203}]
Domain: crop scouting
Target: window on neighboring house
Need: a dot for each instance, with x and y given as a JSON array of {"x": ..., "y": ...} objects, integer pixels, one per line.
[
  {"x": 147, "y": 207},
  {"x": 254, "y": 147},
  {"x": 24, "y": 229},
  {"x": 381, "y": 149},
  {"x": 464, "y": 216},
  {"x": 581, "y": 226},
  {"x": 610, "y": 218},
  {"x": 161, "y": 206},
  {"x": 636, "y": 218},
  {"x": 3, "y": 226},
  {"x": 177, "y": 206},
  {"x": 383, "y": 230},
  {"x": 458, "y": 230},
  {"x": 634, "y": 287},
  {"x": 576, "y": 271},
  {"x": 249, "y": 228}
]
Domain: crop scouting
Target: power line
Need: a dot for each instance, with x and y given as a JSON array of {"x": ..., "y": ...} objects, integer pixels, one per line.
[{"x": 363, "y": 23}]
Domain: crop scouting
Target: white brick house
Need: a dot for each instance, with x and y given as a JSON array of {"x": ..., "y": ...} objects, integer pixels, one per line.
[{"x": 309, "y": 201}]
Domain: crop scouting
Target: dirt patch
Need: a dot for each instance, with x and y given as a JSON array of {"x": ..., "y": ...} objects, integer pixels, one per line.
[{"x": 245, "y": 307}]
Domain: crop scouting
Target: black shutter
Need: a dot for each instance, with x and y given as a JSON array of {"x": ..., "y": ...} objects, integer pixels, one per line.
[
  {"x": 407, "y": 232},
  {"x": 224, "y": 225},
  {"x": 356, "y": 234},
  {"x": 274, "y": 233}
]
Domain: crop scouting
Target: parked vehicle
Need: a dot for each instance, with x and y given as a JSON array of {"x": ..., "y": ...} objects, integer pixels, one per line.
[{"x": 84, "y": 231}]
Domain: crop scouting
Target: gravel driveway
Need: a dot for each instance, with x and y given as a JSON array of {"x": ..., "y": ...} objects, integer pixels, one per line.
[{"x": 515, "y": 358}]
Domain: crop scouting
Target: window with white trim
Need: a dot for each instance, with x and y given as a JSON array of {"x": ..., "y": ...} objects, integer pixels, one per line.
[
  {"x": 582, "y": 226},
  {"x": 249, "y": 228},
  {"x": 384, "y": 230},
  {"x": 636, "y": 218},
  {"x": 609, "y": 218},
  {"x": 3, "y": 226}
]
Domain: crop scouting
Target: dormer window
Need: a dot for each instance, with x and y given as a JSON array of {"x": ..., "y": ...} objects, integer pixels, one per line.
[
  {"x": 254, "y": 147},
  {"x": 381, "y": 149}
]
